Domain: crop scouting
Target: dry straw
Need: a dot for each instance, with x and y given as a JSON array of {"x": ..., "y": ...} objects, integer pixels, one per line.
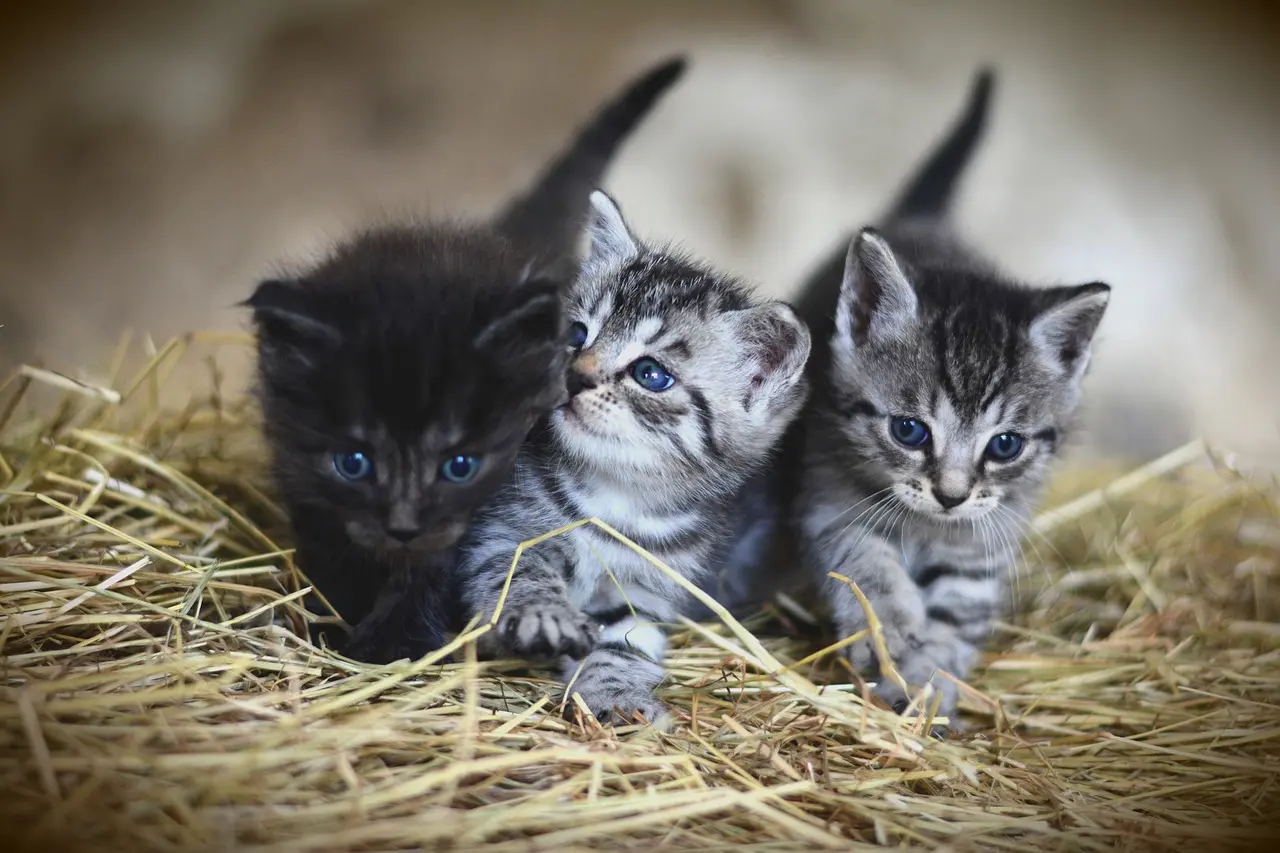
[{"x": 160, "y": 695}]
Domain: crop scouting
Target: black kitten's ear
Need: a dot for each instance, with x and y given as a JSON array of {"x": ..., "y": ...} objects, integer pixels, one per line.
[
  {"x": 778, "y": 342},
  {"x": 285, "y": 314},
  {"x": 1063, "y": 330},
  {"x": 532, "y": 315},
  {"x": 611, "y": 241},
  {"x": 876, "y": 298}
]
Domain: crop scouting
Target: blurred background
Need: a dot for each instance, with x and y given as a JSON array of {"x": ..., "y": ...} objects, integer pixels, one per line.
[{"x": 158, "y": 157}]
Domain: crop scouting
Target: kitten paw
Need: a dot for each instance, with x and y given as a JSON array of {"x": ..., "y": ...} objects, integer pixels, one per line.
[
  {"x": 920, "y": 660},
  {"x": 619, "y": 691},
  {"x": 547, "y": 631},
  {"x": 379, "y": 644},
  {"x": 897, "y": 700},
  {"x": 622, "y": 705}
]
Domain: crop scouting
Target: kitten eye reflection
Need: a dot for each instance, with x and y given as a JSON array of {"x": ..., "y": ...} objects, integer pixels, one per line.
[
  {"x": 909, "y": 432},
  {"x": 1005, "y": 447},
  {"x": 651, "y": 376},
  {"x": 353, "y": 465},
  {"x": 577, "y": 335},
  {"x": 460, "y": 469}
]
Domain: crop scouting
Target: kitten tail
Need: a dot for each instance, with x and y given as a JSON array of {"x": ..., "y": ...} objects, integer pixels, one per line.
[
  {"x": 549, "y": 216},
  {"x": 929, "y": 193}
]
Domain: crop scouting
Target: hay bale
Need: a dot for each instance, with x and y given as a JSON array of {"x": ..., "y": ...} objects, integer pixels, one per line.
[{"x": 161, "y": 695}]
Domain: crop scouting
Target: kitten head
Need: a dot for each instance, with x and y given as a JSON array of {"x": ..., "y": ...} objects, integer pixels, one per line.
[
  {"x": 677, "y": 377},
  {"x": 953, "y": 386},
  {"x": 399, "y": 378}
]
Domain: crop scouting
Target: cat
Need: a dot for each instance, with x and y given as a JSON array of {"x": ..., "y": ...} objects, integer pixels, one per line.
[
  {"x": 942, "y": 391},
  {"x": 680, "y": 387},
  {"x": 399, "y": 377}
]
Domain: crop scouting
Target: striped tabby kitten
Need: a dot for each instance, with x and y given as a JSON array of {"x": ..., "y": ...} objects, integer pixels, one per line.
[
  {"x": 942, "y": 390},
  {"x": 680, "y": 388}
]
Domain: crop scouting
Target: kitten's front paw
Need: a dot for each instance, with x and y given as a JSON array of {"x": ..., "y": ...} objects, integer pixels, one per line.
[
  {"x": 617, "y": 700},
  {"x": 546, "y": 631},
  {"x": 920, "y": 659},
  {"x": 387, "y": 642}
]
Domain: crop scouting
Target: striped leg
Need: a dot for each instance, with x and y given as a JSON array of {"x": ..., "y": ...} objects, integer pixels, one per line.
[{"x": 618, "y": 678}]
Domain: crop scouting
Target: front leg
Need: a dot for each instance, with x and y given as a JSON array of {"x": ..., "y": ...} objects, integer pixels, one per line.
[
  {"x": 538, "y": 621},
  {"x": 919, "y": 645},
  {"x": 618, "y": 678},
  {"x": 409, "y": 618}
]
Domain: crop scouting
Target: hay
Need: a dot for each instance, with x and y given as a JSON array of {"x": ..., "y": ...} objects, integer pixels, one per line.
[{"x": 160, "y": 695}]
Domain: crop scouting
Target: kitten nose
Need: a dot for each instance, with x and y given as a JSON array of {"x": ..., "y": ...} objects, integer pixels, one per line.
[
  {"x": 579, "y": 382},
  {"x": 949, "y": 501},
  {"x": 404, "y": 534}
]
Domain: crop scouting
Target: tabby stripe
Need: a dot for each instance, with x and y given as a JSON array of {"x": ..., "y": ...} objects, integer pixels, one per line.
[
  {"x": 680, "y": 540},
  {"x": 940, "y": 353},
  {"x": 614, "y": 615},
  {"x": 941, "y": 614},
  {"x": 703, "y": 409},
  {"x": 930, "y": 575},
  {"x": 621, "y": 648},
  {"x": 554, "y": 485},
  {"x": 1003, "y": 373},
  {"x": 860, "y": 408}
]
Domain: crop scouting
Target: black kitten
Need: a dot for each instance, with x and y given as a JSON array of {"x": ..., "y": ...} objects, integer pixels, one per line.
[{"x": 400, "y": 376}]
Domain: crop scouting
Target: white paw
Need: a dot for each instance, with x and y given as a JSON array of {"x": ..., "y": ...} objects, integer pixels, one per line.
[{"x": 546, "y": 631}]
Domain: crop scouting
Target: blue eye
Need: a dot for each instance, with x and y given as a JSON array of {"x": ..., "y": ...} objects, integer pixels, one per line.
[
  {"x": 908, "y": 432},
  {"x": 460, "y": 469},
  {"x": 1005, "y": 447},
  {"x": 651, "y": 376},
  {"x": 577, "y": 335},
  {"x": 353, "y": 466}
]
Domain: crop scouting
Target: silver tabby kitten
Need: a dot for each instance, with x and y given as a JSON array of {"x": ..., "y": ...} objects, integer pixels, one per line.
[
  {"x": 940, "y": 398},
  {"x": 681, "y": 387}
]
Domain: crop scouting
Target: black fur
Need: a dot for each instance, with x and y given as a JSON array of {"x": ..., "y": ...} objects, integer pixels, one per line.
[
  {"x": 412, "y": 345},
  {"x": 552, "y": 214}
]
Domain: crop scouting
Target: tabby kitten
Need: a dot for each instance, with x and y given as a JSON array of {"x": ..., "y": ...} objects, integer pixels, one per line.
[
  {"x": 680, "y": 387},
  {"x": 399, "y": 377},
  {"x": 942, "y": 391}
]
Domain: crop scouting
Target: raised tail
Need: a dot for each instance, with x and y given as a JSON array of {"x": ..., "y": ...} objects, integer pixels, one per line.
[
  {"x": 928, "y": 195},
  {"x": 548, "y": 218},
  {"x": 930, "y": 191}
]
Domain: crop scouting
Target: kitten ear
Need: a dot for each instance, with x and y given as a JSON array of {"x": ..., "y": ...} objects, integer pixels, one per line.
[
  {"x": 1064, "y": 329},
  {"x": 610, "y": 240},
  {"x": 286, "y": 316},
  {"x": 777, "y": 341},
  {"x": 876, "y": 298},
  {"x": 532, "y": 314}
]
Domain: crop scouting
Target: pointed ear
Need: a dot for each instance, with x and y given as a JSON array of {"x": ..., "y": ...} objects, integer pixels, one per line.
[
  {"x": 533, "y": 313},
  {"x": 286, "y": 316},
  {"x": 611, "y": 241},
  {"x": 777, "y": 342},
  {"x": 1062, "y": 332},
  {"x": 876, "y": 298}
]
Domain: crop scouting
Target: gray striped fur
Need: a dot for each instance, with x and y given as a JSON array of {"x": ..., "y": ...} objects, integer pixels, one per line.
[
  {"x": 663, "y": 468},
  {"x": 926, "y": 329}
]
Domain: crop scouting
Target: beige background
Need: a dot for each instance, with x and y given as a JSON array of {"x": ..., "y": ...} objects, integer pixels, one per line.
[{"x": 156, "y": 158}]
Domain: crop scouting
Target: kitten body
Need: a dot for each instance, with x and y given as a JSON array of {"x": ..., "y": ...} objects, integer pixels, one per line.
[
  {"x": 942, "y": 391},
  {"x": 680, "y": 387},
  {"x": 399, "y": 377}
]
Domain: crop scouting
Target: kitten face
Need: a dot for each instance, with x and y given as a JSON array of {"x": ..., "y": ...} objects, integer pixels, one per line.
[
  {"x": 954, "y": 394},
  {"x": 400, "y": 377},
  {"x": 674, "y": 372}
]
